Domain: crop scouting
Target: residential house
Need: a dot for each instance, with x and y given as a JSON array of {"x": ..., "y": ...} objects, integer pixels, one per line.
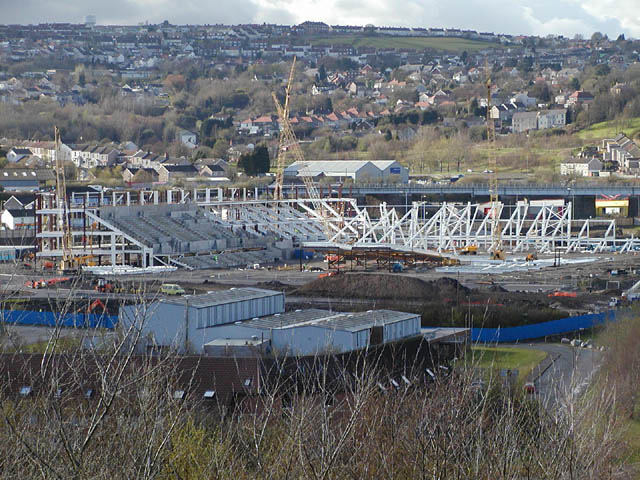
[
  {"x": 140, "y": 175},
  {"x": 14, "y": 219},
  {"x": 552, "y": 118},
  {"x": 524, "y": 121},
  {"x": 48, "y": 151},
  {"x": 172, "y": 173},
  {"x": 91, "y": 156},
  {"x": 19, "y": 201},
  {"x": 579, "y": 98},
  {"x": 525, "y": 99},
  {"x": 581, "y": 167},
  {"x": 17, "y": 154},
  {"x": 188, "y": 138},
  {"x": 623, "y": 152}
]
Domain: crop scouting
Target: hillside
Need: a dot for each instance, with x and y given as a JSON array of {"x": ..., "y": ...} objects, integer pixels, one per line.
[
  {"x": 447, "y": 44},
  {"x": 609, "y": 129}
]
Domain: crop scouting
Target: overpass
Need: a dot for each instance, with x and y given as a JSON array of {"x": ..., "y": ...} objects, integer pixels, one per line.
[{"x": 482, "y": 190}]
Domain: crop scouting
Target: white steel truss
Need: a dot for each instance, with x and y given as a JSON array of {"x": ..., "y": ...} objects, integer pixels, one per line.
[{"x": 541, "y": 228}]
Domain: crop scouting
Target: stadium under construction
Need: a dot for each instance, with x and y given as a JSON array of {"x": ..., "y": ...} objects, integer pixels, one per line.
[{"x": 215, "y": 228}]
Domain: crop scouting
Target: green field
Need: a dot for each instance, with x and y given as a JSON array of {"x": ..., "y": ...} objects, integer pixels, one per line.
[
  {"x": 497, "y": 358},
  {"x": 447, "y": 44},
  {"x": 610, "y": 129}
]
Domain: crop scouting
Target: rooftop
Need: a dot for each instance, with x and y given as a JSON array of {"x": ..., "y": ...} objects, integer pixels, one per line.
[
  {"x": 325, "y": 319},
  {"x": 221, "y": 297}
]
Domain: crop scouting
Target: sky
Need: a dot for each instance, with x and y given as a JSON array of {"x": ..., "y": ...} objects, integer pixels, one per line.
[{"x": 526, "y": 17}]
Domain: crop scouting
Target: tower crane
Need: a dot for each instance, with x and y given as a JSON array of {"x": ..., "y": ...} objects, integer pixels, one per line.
[
  {"x": 497, "y": 252},
  {"x": 289, "y": 144},
  {"x": 63, "y": 211}
]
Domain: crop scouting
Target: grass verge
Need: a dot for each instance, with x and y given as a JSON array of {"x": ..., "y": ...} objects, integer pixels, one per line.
[{"x": 498, "y": 358}]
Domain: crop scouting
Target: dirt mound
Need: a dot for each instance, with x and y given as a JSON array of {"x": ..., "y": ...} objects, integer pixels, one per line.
[
  {"x": 275, "y": 285},
  {"x": 381, "y": 286}
]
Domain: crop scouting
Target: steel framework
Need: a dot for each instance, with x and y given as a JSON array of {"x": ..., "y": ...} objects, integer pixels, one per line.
[{"x": 443, "y": 228}]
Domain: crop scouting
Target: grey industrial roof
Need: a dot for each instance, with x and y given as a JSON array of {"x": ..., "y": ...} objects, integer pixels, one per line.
[
  {"x": 359, "y": 321},
  {"x": 335, "y": 320},
  {"x": 221, "y": 297},
  {"x": 288, "y": 319}
]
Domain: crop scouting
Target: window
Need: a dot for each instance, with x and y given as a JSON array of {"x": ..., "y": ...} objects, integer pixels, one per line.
[
  {"x": 247, "y": 383},
  {"x": 88, "y": 394},
  {"x": 25, "y": 391},
  {"x": 209, "y": 394}
]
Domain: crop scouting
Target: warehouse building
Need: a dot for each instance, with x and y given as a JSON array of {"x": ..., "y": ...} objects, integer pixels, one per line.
[
  {"x": 361, "y": 171},
  {"x": 311, "y": 332},
  {"x": 247, "y": 322},
  {"x": 186, "y": 323}
]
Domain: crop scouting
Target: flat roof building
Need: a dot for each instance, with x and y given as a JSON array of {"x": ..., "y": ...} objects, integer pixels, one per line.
[
  {"x": 185, "y": 323},
  {"x": 311, "y": 332}
]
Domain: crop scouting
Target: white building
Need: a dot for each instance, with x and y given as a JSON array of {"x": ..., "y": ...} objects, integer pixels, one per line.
[
  {"x": 243, "y": 321},
  {"x": 313, "y": 332},
  {"x": 376, "y": 171},
  {"x": 581, "y": 167},
  {"x": 185, "y": 322},
  {"x": 13, "y": 219}
]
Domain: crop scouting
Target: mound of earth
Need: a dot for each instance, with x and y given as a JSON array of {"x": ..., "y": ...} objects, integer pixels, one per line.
[{"x": 381, "y": 286}]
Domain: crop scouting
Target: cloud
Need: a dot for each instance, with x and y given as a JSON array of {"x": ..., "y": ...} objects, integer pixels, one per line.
[
  {"x": 541, "y": 17},
  {"x": 625, "y": 12}
]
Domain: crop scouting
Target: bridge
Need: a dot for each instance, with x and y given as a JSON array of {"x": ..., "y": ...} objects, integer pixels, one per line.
[{"x": 482, "y": 189}]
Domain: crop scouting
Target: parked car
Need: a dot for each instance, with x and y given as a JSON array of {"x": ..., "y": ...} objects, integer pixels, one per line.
[{"x": 172, "y": 289}]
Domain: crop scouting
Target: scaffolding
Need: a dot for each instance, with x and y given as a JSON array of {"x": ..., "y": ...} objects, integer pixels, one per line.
[{"x": 87, "y": 235}]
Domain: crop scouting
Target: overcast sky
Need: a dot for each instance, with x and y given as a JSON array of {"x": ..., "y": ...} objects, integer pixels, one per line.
[{"x": 540, "y": 17}]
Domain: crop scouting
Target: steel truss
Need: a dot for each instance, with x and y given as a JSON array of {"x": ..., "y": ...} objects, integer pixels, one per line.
[{"x": 541, "y": 228}]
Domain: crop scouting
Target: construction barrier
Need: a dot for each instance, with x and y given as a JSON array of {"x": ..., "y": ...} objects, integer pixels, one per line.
[
  {"x": 540, "y": 330},
  {"x": 51, "y": 319}
]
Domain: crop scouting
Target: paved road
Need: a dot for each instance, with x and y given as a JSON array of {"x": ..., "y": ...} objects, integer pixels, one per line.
[{"x": 568, "y": 370}]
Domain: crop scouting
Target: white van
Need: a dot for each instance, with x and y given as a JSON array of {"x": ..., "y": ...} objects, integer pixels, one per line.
[{"x": 172, "y": 289}]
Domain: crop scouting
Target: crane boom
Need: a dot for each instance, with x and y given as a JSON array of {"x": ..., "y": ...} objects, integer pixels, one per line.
[
  {"x": 289, "y": 143},
  {"x": 283, "y": 112},
  {"x": 496, "y": 250},
  {"x": 61, "y": 200}
]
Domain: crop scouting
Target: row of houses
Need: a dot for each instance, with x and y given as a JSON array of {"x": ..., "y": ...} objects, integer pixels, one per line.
[
  {"x": 623, "y": 152},
  {"x": 540, "y": 120}
]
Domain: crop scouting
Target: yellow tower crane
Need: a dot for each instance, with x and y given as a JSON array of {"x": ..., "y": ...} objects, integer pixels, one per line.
[
  {"x": 66, "y": 262},
  {"x": 289, "y": 144},
  {"x": 497, "y": 252}
]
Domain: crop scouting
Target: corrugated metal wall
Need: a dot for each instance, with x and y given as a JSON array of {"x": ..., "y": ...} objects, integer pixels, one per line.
[
  {"x": 401, "y": 329},
  {"x": 237, "y": 311}
]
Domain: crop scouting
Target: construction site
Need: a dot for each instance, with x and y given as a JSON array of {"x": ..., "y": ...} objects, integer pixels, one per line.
[{"x": 247, "y": 237}]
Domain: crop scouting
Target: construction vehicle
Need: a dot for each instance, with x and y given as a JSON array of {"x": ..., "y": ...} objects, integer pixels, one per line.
[
  {"x": 397, "y": 268},
  {"x": 531, "y": 257},
  {"x": 95, "y": 304},
  {"x": 104, "y": 286},
  {"x": 469, "y": 250}
]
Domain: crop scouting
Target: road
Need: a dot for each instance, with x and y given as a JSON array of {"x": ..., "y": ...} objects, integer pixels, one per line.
[{"x": 567, "y": 370}]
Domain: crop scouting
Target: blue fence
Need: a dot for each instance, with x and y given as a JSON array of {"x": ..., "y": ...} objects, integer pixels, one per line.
[
  {"x": 539, "y": 330},
  {"x": 50, "y": 319}
]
